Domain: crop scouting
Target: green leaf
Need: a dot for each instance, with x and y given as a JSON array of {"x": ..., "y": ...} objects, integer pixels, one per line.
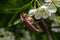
[
  {"x": 44, "y": 37},
  {"x": 58, "y": 19},
  {"x": 21, "y": 9}
]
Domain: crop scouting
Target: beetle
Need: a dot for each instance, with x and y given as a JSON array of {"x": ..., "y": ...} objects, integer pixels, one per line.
[{"x": 29, "y": 22}]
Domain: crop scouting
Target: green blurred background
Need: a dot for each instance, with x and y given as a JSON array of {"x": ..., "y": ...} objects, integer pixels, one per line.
[{"x": 10, "y": 20}]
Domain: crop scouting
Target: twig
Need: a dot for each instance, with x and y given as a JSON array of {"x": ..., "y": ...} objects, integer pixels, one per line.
[{"x": 46, "y": 29}]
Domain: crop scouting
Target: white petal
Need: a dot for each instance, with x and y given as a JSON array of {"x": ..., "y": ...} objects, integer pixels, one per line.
[
  {"x": 46, "y": 4},
  {"x": 42, "y": 10},
  {"x": 32, "y": 12},
  {"x": 51, "y": 8},
  {"x": 44, "y": 7},
  {"x": 58, "y": 4},
  {"x": 37, "y": 16},
  {"x": 46, "y": 14},
  {"x": 47, "y": 0}
]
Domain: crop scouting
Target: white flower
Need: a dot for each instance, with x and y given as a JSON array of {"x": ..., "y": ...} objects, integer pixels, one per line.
[
  {"x": 51, "y": 4},
  {"x": 51, "y": 8},
  {"x": 54, "y": 2},
  {"x": 8, "y": 36},
  {"x": 41, "y": 12}
]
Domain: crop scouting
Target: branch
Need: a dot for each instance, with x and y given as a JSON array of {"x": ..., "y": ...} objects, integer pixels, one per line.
[{"x": 46, "y": 29}]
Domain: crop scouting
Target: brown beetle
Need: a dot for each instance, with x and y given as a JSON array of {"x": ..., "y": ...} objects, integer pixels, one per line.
[{"x": 29, "y": 22}]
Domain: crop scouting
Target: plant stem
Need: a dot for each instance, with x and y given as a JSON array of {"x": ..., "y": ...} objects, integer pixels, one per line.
[{"x": 46, "y": 29}]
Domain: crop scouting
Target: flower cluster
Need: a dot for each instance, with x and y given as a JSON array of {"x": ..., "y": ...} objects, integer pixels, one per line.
[
  {"x": 45, "y": 10},
  {"x": 6, "y": 35}
]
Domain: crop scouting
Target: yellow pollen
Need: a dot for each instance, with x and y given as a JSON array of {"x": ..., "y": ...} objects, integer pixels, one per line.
[
  {"x": 53, "y": 2},
  {"x": 42, "y": 11}
]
